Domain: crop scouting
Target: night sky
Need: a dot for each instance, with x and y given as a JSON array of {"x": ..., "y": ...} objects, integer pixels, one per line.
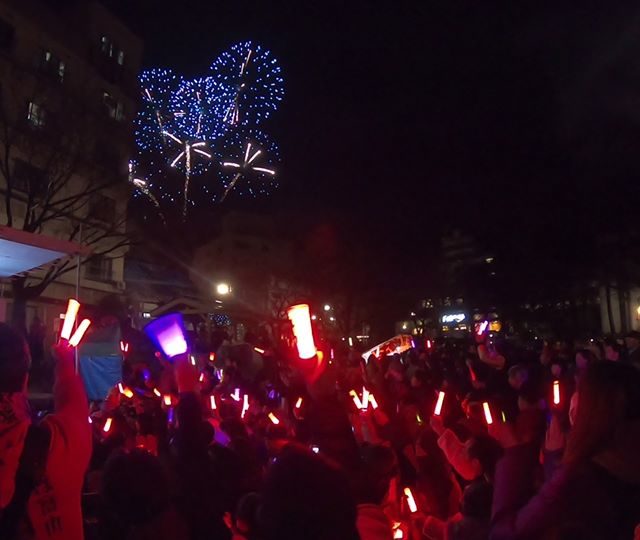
[{"x": 516, "y": 121}]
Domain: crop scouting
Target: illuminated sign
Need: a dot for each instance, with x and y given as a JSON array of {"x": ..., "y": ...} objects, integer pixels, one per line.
[{"x": 453, "y": 318}]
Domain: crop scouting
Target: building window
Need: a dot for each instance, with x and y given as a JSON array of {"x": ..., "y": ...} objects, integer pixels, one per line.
[
  {"x": 6, "y": 35},
  {"x": 102, "y": 208},
  {"x": 52, "y": 65},
  {"x": 111, "y": 50},
  {"x": 99, "y": 268},
  {"x": 28, "y": 178},
  {"x": 36, "y": 114},
  {"x": 115, "y": 107}
]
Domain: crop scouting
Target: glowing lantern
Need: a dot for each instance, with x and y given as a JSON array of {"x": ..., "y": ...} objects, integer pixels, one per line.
[{"x": 168, "y": 333}]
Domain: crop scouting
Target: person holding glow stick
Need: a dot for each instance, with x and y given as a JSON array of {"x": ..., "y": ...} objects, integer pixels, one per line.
[
  {"x": 62, "y": 441},
  {"x": 600, "y": 464}
]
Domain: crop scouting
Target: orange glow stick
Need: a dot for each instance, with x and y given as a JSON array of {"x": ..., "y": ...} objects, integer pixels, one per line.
[
  {"x": 157, "y": 392},
  {"x": 365, "y": 398},
  {"x": 299, "y": 403},
  {"x": 373, "y": 402},
  {"x": 167, "y": 400},
  {"x": 69, "y": 318},
  {"x": 301, "y": 321},
  {"x": 212, "y": 401},
  {"x": 212, "y": 357},
  {"x": 556, "y": 392},
  {"x": 356, "y": 398},
  {"x": 274, "y": 418},
  {"x": 245, "y": 406},
  {"x": 107, "y": 425},
  {"x": 128, "y": 393},
  {"x": 258, "y": 350},
  {"x": 413, "y": 507},
  {"x": 79, "y": 333},
  {"x": 487, "y": 413},
  {"x": 439, "y": 403}
]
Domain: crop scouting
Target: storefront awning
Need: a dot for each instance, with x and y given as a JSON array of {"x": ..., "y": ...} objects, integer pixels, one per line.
[{"x": 21, "y": 251}]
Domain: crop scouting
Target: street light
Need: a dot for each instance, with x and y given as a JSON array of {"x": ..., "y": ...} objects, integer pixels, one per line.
[
  {"x": 223, "y": 289},
  {"x": 327, "y": 307}
]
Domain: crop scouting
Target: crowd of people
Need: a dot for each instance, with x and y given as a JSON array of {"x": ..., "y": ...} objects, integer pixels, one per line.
[{"x": 449, "y": 440}]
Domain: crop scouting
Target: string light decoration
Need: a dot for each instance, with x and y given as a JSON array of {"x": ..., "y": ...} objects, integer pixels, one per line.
[
  {"x": 252, "y": 82},
  {"x": 248, "y": 164},
  {"x": 186, "y": 127}
]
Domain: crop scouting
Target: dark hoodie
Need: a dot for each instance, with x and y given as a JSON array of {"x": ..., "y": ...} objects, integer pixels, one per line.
[{"x": 599, "y": 499}]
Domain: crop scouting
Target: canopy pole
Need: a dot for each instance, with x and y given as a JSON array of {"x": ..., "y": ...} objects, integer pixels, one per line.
[{"x": 78, "y": 263}]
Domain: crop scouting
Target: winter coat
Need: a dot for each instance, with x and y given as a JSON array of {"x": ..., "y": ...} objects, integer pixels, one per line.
[
  {"x": 53, "y": 508},
  {"x": 596, "y": 499}
]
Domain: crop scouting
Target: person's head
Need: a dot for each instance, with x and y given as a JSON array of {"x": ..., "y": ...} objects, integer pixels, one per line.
[
  {"x": 518, "y": 375},
  {"x": 632, "y": 340},
  {"x": 609, "y": 402},
  {"x": 482, "y": 453},
  {"x": 476, "y": 501},
  {"x": 419, "y": 379},
  {"x": 15, "y": 360},
  {"x": 584, "y": 358},
  {"x": 134, "y": 488},
  {"x": 306, "y": 497},
  {"x": 378, "y": 467},
  {"x": 612, "y": 350}
]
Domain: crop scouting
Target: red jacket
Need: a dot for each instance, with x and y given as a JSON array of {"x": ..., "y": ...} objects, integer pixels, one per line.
[{"x": 54, "y": 506}]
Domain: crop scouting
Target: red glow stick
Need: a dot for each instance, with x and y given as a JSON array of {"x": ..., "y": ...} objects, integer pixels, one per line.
[
  {"x": 69, "y": 318},
  {"x": 79, "y": 333},
  {"x": 107, "y": 425},
  {"x": 556, "y": 392},
  {"x": 299, "y": 403},
  {"x": 487, "y": 413},
  {"x": 365, "y": 398},
  {"x": 120, "y": 388},
  {"x": 274, "y": 418},
  {"x": 212, "y": 357},
  {"x": 413, "y": 507},
  {"x": 201, "y": 378},
  {"x": 124, "y": 347},
  {"x": 301, "y": 321},
  {"x": 212, "y": 402},
  {"x": 439, "y": 403},
  {"x": 398, "y": 534},
  {"x": 428, "y": 344},
  {"x": 157, "y": 392},
  {"x": 473, "y": 374},
  {"x": 482, "y": 327},
  {"x": 236, "y": 394}
]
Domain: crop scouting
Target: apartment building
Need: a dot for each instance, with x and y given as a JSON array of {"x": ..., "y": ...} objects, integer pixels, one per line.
[{"x": 68, "y": 93}]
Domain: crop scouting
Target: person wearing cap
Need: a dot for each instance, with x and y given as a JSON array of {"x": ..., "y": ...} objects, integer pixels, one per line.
[{"x": 632, "y": 341}]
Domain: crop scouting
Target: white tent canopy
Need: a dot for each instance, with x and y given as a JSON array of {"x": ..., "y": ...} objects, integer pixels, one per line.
[{"x": 21, "y": 251}]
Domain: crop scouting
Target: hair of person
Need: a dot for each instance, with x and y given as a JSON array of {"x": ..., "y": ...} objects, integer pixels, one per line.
[
  {"x": 304, "y": 496},
  {"x": 609, "y": 399},
  {"x": 517, "y": 370},
  {"x": 135, "y": 487},
  {"x": 378, "y": 466},
  {"x": 487, "y": 451},
  {"x": 14, "y": 360}
]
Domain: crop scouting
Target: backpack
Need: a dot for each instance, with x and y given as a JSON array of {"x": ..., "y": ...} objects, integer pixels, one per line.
[{"x": 30, "y": 473}]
